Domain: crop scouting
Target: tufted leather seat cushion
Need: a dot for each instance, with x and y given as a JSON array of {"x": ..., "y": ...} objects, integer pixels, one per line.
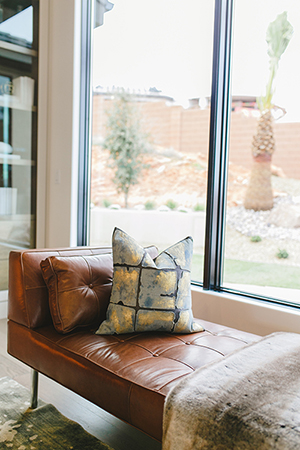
[{"x": 127, "y": 375}]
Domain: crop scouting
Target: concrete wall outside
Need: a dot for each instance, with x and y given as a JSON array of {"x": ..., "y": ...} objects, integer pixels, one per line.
[{"x": 148, "y": 227}]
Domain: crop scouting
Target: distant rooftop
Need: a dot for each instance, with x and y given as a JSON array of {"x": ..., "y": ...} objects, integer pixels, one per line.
[{"x": 151, "y": 94}]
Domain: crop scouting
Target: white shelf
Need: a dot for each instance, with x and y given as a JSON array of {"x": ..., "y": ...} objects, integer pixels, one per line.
[
  {"x": 9, "y": 156},
  {"x": 15, "y": 160},
  {"x": 16, "y": 218},
  {"x": 18, "y": 48},
  {"x": 13, "y": 102}
]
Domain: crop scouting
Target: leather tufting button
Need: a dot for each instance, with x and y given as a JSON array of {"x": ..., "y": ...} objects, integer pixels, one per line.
[
  {"x": 155, "y": 354},
  {"x": 90, "y": 286},
  {"x": 188, "y": 343}
]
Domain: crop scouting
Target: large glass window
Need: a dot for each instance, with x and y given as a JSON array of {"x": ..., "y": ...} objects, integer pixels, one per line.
[
  {"x": 262, "y": 244},
  {"x": 152, "y": 62},
  {"x": 18, "y": 85},
  {"x": 214, "y": 125}
]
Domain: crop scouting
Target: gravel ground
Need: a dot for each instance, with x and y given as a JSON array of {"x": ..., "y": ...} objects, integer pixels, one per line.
[
  {"x": 242, "y": 224},
  {"x": 259, "y": 223},
  {"x": 239, "y": 247}
]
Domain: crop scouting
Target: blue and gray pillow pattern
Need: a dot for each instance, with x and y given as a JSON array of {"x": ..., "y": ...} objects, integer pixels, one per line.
[{"x": 149, "y": 294}]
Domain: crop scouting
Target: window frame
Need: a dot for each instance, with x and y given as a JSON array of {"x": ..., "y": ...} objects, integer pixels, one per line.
[
  {"x": 218, "y": 146},
  {"x": 84, "y": 163}
]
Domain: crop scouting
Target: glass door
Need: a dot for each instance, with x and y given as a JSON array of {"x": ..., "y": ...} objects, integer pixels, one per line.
[{"x": 18, "y": 111}]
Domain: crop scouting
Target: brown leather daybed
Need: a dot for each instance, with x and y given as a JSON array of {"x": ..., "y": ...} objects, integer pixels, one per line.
[{"x": 127, "y": 375}]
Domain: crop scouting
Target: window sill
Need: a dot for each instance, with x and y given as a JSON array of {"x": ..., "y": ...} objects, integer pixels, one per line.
[{"x": 243, "y": 313}]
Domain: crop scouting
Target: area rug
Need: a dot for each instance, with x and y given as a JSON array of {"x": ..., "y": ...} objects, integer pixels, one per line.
[
  {"x": 249, "y": 400},
  {"x": 43, "y": 428}
]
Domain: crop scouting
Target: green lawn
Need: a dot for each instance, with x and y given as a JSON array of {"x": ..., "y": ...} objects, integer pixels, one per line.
[{"x": 258, "y": 274}]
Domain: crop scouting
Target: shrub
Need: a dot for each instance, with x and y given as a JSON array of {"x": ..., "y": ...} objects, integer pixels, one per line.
[
  {"x": 198, "y": 166},
  {"x": 171, "y": 204},
  {"x": 199, "y": 207},
  {"x": 149, "y": 205},
  {"x": 282, "y": 254},
  {"x": 106, "y": 203},
  {"x": 182, "y": 209},
  {"x": 255, "y": 239}
]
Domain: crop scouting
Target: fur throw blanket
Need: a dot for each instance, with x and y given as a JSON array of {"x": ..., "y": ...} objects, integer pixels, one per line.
[{"x": 249, "y": 400}]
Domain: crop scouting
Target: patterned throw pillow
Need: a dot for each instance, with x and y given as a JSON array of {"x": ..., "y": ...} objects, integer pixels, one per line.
[{"x": 149, "y": 294}]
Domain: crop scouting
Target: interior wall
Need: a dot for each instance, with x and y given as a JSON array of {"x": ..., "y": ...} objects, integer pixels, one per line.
[{"x": 58, "y": 121}]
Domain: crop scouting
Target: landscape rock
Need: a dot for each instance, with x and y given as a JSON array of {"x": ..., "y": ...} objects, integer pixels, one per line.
[{"x": 285, "y": 215}]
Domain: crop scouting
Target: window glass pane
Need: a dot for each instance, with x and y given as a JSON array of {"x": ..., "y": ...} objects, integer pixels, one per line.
[
  {"x": 159, "y": 55},
  {"x": 262, "y": 244},
  {"x": 16, "y": 20},
  {"x": 18, "y": 113}
]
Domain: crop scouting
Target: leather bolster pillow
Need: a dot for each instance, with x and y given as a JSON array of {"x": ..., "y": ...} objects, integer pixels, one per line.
[{"x": 79, "y": 289}]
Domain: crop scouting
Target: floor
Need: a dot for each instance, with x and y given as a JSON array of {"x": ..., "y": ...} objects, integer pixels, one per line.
[{"x": 110, "y": 430}]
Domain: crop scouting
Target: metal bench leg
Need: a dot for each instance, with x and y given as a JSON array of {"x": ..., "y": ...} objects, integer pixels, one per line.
[{"x": 34, "y": 389}]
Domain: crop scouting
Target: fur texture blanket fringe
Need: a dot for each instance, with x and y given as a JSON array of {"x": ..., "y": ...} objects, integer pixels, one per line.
[{"x": 250, "y": 400}]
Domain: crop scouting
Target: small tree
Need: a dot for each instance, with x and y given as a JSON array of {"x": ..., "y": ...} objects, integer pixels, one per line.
[
  {"x": 259, "y": 195},
  {"x": 125, "y": 142}
]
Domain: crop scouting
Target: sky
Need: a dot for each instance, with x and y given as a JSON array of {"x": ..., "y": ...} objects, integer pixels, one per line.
[{"x": 168, "y": 45}]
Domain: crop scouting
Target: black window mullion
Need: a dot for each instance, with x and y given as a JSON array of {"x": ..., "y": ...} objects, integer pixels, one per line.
[
  {"x": 85, "y": 124},
  {"x": 218, "y": 145}
]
